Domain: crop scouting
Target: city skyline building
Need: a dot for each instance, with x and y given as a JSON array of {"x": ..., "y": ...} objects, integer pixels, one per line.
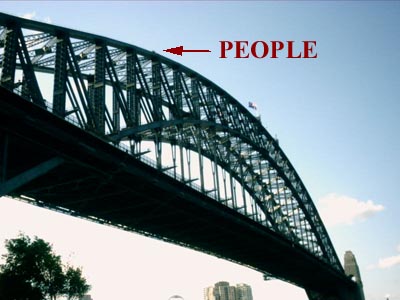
[
  {"x": 209, "y": 293},
  {"x": 222, "y": 290},
  {"x": 243, "y": 292}
]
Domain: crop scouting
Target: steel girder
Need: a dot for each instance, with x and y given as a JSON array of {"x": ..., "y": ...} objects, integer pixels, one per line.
[{"x": 127, "y": 95}]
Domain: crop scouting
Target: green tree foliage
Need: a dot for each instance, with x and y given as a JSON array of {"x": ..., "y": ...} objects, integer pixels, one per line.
[
  {"x": 33, "y": 271},
  {"x": 14, "y": 286},
  {"x": 75, "y": 285}
]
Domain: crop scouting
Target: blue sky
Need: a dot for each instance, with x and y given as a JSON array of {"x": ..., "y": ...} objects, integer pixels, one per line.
[{"x": 336, "y": 118}]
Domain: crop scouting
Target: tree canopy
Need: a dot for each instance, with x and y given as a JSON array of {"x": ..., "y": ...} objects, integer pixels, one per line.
[{"x": 33, "y": 271}]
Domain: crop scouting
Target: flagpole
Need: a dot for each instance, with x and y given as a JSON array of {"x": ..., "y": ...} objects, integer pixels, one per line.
[{"x": 253, "y": 105}]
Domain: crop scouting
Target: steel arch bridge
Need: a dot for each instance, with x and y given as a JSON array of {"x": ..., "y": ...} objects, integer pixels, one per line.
[{"x": 181, "y": 128}]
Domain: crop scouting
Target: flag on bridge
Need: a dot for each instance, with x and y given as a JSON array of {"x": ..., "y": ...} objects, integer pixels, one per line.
[{"x": 253, "y": 105}]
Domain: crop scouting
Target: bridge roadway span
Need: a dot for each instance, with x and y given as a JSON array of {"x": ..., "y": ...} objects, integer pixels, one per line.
[
  {"x": 220, "y": 183},
  {"x": 65, "y": 168}
]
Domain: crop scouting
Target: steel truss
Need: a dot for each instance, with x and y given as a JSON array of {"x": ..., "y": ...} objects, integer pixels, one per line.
[{"x": 200, "y": 134}]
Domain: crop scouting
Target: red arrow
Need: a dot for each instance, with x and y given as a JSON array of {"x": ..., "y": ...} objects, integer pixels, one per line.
[{"x": 179, "y": 50}]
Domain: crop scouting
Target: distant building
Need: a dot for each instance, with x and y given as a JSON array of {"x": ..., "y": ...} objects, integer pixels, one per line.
[
  {"x": 86, "y": 297},
  {"x": 209, "y": 293},
  {"x": 223, "y": 291},
  {"x": 243, "y": 292}
]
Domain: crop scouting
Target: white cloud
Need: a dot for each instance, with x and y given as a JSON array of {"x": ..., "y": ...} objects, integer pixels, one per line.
[
  {"x": 340, "y": 209},
  {"x": 32, "y": 16},
  {"x": 387, "y": 262},
  {"x": 29, "y": 15}
]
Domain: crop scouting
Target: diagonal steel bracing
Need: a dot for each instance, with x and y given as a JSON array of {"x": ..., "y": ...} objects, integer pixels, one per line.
[
  {"x": 11, "y": 184},
  {"x": 167, "y": 116}
]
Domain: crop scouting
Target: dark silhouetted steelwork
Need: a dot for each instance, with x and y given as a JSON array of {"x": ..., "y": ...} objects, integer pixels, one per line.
[{"x": 159, "y": 113}]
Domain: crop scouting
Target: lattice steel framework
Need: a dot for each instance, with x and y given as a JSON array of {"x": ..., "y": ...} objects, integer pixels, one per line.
[{"x": 200, "y": 134}]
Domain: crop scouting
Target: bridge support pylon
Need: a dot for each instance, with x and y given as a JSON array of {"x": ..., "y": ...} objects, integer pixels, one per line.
[{"x": 351, "y": 269}]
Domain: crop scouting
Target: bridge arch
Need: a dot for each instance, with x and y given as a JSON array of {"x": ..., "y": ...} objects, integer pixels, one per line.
[{"x": 128, "y": 96}]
